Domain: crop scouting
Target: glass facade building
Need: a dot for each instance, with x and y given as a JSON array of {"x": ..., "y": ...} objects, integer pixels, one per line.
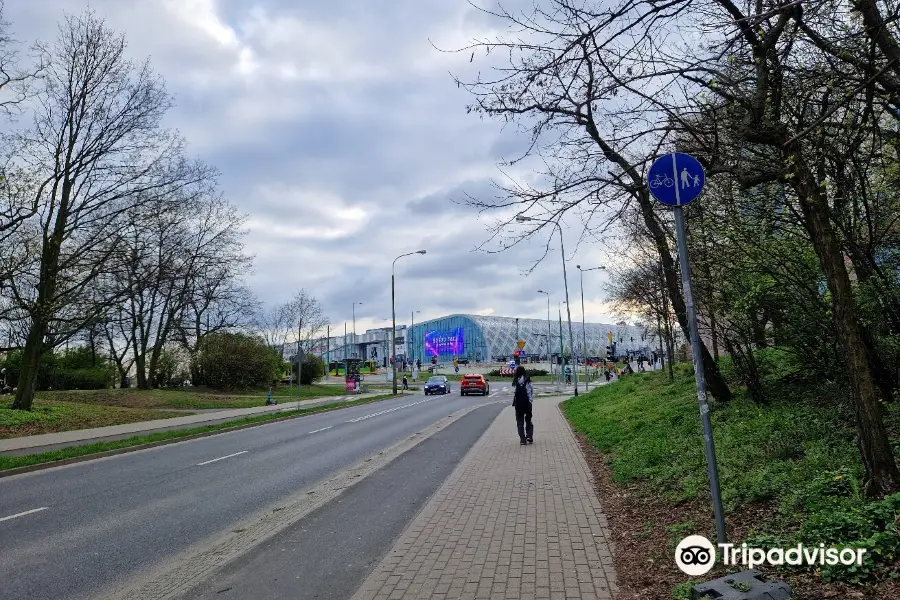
[{"x": 488, "y": 338}]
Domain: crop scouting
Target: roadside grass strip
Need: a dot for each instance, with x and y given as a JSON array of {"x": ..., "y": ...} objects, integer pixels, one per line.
[{"x": 10, "y": 465}]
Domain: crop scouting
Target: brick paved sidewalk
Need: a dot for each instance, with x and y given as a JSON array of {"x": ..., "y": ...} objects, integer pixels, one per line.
[{"x": 510, "y": 522}]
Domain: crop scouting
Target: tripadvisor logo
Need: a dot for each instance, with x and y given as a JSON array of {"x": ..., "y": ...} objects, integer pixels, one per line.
[{"x": 695, "y": 555}]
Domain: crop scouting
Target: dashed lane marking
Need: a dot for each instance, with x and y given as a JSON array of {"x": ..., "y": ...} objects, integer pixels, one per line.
[
  {"x": 22, "y": 514},
  {"x": 222, "y": 458}
]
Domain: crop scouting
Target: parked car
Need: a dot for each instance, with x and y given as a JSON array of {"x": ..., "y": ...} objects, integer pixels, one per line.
[
  {"x": 437, "y": 384},
  {"x": 474, "y": 384}
]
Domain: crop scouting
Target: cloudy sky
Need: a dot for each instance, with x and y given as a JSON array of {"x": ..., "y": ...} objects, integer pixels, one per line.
[{"x": 338, "y": 129}]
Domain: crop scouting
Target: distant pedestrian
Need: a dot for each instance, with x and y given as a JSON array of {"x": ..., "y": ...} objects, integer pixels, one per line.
[
  {"x": 405, "y": 383},
  {"x": 523, "y": 398}
]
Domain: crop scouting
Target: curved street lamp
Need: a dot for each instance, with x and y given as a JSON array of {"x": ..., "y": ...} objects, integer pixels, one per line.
[
  {"x": 394, "y": 321},
  {"x": 523, "y": 219}
]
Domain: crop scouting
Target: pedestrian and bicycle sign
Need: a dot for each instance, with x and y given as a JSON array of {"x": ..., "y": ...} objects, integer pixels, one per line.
[{"x": 676, "y": 179}]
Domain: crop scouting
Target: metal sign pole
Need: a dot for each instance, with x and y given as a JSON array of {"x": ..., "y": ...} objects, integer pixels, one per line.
[
  {"x": 711, "y": 465},
  {"x": 709, "y": 445}
]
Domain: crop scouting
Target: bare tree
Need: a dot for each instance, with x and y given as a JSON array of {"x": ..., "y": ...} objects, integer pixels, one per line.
[
  {"x": 98, "y": 148},
  {"x": 748, "y": 89},
  {"x": 16, "y": 81},
  {"x": 301, "y": 319},
  {"x": 554, "y": 85}
]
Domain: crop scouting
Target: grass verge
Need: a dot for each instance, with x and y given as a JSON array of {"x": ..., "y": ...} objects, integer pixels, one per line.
[
  {"x": 185, "y": 398},
  {"x": 789, "y": 472},
  {"x": 14, "y": 462},
  {"x": 55, "y": 416}
]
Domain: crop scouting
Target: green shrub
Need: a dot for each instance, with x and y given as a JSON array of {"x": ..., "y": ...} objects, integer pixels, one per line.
[
  {"x": 313, "y": 369},
  {"x": 232, "y": 361},
  {"x": 79, "y": 379},
  {"x": 73, "y": 369}
]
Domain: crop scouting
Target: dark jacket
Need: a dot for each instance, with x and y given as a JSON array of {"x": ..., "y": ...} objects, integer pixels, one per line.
[{"x": 524, "y": 392}]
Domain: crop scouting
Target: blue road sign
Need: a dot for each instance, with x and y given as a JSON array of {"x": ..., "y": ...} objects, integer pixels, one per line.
[{"x": 676, "y": 179}]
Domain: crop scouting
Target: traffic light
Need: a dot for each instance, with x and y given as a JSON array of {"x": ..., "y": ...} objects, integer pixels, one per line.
[{"x": 516, "y": 357}]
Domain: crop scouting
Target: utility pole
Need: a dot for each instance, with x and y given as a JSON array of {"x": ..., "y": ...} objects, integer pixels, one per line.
[
  {"x": 409, "y": 343},
  {"x": 355, "y": 342},
  {"x": 299, "y": 360},
  {"x": 549, "y": 334},
  {"x": 562, "y": 355}
]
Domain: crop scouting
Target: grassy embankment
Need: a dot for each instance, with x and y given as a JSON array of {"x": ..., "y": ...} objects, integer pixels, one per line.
[{"x": 790, "y": 472}]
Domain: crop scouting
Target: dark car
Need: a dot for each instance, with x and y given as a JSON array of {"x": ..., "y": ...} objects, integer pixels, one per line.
[{"x": 438, "y": 384}]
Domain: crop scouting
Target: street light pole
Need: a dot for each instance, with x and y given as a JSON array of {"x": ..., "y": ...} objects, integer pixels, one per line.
[
  {"x": 522, "y": 219},
  {"x": 412, "y": 350},
  {"x": 355, "y": 342},
  {"x": 562, "y": 351},
  {"x": 568, "y": 306},
  {"x": 583, "y": 326},
  {"x": 549, "y": 334},
  {"x": 394, "y": 321}
]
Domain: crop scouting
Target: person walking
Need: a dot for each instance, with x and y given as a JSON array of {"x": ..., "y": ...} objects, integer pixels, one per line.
[{"x": 523, "y": 398}]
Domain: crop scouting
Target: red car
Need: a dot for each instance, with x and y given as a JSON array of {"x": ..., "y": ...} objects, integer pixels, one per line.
[{"x": 474, "y": 384}]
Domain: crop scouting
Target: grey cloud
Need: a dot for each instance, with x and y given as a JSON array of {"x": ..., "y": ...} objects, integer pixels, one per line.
[{"x": 343, "y": 171}]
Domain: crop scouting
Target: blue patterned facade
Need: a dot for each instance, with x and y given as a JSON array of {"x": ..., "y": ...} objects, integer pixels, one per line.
[{"x": 489, "y": 338}]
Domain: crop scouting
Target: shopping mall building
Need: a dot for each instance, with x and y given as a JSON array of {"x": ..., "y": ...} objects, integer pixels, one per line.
[{"x": 479, "y": 338}]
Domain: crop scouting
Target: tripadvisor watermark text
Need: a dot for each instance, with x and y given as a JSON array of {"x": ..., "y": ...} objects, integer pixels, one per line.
[{"x": 695, "y": 555}]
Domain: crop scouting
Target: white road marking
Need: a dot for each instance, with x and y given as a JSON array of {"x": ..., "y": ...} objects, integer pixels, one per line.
[
  {"x": 22, "y": 514},
  {"x": 383, "y": 412},
  {"x": 323, "y": 429},
  {"x": 222, "y": 458}
]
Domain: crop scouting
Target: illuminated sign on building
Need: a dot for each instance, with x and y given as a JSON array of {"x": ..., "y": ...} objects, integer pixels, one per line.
[{"x": 450, "y": 342}]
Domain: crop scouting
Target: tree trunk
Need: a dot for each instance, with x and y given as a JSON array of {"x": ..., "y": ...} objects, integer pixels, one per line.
[
  {"x": 140, "y": 364},
  {"x": 670, "y": 342},
  {"x": 151, "y": 379},
  {"x": 714, "y": 381},
  {"x": 882, "y": 475},
  {"x": 31, "y": 359},
  {"x": 885, "y": 377},
  {"x": 93, "y": 346},
  {"x": 759, "y": 329},
  {"x": 715, "y": 336},
  {"x": 196, "y": 375},
  {"x": 40, "y": 314}
]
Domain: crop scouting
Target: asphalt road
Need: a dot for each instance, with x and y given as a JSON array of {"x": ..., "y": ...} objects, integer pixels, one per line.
[
  {"x": 78, "y": 530},
  {"x": 329, "y": 553}
]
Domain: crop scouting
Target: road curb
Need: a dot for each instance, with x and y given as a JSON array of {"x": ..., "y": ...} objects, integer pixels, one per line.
[
  {"x": 174, "y": 440},
  {"x": 193, "y": 566}
]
